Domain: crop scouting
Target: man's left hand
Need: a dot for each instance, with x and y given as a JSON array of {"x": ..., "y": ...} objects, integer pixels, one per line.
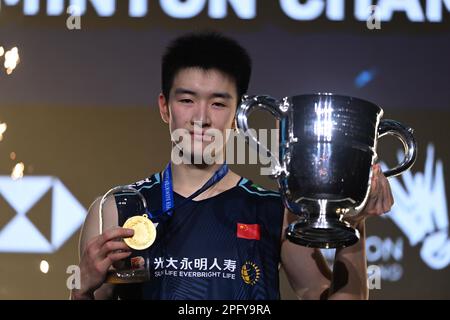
[{"x": 380, "y": 198}]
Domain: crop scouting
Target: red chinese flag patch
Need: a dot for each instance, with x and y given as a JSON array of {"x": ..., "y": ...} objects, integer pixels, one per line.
[{"x": 248, "y": 231}]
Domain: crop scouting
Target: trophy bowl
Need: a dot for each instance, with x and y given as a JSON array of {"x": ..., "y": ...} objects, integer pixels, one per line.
[{"x": 327, "y": 146}]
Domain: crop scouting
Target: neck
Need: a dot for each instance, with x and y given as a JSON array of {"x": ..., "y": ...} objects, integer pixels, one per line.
[{"x": 187, "y": 178}]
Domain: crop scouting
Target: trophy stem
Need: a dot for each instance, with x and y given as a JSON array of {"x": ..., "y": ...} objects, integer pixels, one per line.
[{"x": 324, "y": 229}]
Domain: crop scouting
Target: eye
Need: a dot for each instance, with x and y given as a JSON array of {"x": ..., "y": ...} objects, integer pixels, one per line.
[
  {"x": 186, "y": 101},
  {"x": 219, "y": 104}
]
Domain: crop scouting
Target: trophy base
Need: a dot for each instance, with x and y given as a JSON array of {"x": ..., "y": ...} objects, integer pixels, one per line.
[
  {"x": 127, "y": 276},
  {"x": 335, "y": 234}
]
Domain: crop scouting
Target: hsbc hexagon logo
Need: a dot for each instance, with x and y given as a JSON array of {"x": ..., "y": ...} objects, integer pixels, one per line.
[{"x": 19, "y": 234}]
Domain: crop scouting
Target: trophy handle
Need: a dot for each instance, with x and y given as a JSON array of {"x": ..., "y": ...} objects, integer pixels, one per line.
[
  {"x": 405, "y": 135},
  {"x": 247, "y": 106},
  {"x": 111, "y": 192}
]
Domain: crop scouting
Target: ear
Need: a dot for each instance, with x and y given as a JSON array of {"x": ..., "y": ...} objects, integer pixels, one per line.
[
  {"x": 234, "y": 123},
  {"x": 164, "y": 108}
]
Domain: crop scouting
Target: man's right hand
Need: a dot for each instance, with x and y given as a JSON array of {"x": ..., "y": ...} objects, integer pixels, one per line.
[{"x": 100, "y": 253}]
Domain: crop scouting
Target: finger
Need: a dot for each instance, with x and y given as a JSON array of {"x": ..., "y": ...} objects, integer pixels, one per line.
[
  {"x": 114, "y": 233},
  {"x": 383, "y": 192},
  {"x": 376, "y": 205},
  {"x": 373, "y": 195},
  {"x": 372, "y": 198},
  {"x": 389, "y": 192},
  {"x": 376, "y": 177},
  {"x": 391, "y": 195},
  {"x": 106, "y": 263},
  {"x": 92, "y": 248},
  {"x": 112, "y": 246},
  {"x": 387, "y": 196},
  {"x": 379, "y": 205},
  {"x": 114, "y": 257}
]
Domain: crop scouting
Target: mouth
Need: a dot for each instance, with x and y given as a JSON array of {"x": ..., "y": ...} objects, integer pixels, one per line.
[{"x": 200, "y": 136}]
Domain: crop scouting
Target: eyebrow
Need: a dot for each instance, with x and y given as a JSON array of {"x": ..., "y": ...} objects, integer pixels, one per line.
[
  {"x": 223, "y": 95},
  {"x": 184, "y": 91}
]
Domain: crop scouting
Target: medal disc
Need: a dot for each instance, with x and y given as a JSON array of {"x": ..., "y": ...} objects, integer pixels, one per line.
[{"x": 144, "y": 232}]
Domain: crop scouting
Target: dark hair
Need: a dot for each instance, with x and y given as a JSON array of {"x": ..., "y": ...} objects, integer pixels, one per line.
[{"x": 206, "y": 50}]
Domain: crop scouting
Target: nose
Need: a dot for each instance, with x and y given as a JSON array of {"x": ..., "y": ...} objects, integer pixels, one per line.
[{"x": 200, "y": 117}]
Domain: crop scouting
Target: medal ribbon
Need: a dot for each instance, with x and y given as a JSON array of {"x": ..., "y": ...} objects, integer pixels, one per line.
[{"x": 167, "y": 191}]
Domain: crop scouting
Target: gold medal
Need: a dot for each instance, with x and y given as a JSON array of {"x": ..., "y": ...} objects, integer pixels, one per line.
[{"x": 144, "y": 232}]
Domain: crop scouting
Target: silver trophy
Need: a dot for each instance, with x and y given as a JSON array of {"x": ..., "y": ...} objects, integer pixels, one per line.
[{"x": 327, "y": 146}]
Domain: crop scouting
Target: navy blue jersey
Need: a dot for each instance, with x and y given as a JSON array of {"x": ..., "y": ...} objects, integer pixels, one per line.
[{"x": 223, "y": 247}]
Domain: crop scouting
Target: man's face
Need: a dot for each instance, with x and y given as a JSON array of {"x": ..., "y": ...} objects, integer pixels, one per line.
[{"x": 202, "y": 103}]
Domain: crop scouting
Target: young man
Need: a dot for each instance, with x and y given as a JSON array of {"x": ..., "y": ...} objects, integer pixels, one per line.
[{"x": 227, "y": 242}]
